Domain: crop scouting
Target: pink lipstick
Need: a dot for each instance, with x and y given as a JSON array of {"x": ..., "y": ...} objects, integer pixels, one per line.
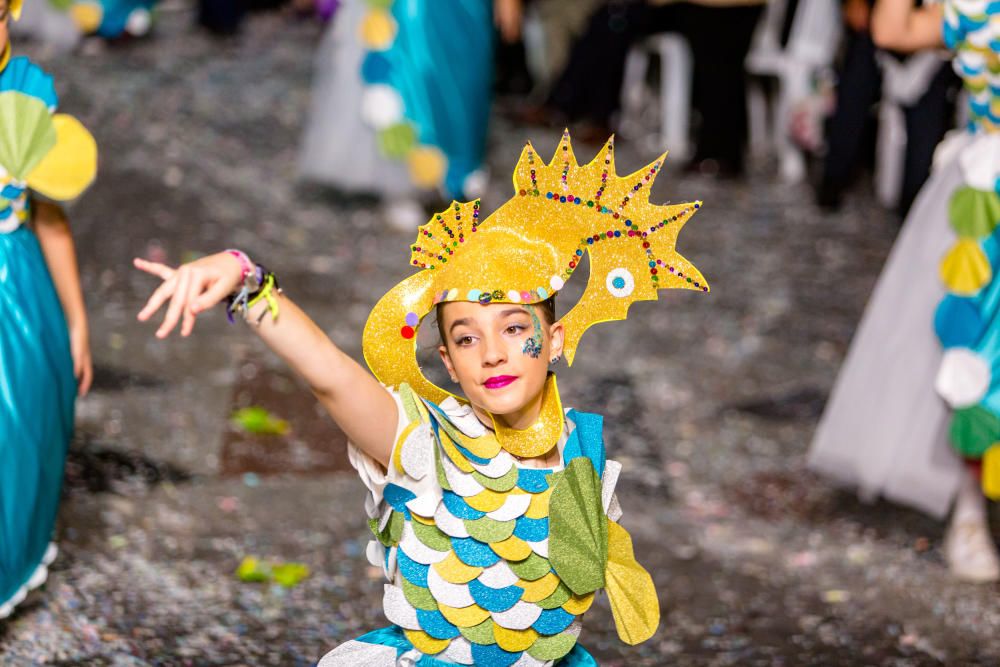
[{"x": 498, "y": 381}]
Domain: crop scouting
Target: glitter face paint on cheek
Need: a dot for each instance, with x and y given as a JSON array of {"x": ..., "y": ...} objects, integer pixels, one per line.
[{"x": 533, "y": 345}]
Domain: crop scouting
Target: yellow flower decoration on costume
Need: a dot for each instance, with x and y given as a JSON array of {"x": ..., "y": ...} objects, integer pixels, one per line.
[
  {"x": 378, "y": 30},
  {"x": 991, "y": 472},
  {"x": 428, "y": 166},
  {"x": 965, "y": 269}
]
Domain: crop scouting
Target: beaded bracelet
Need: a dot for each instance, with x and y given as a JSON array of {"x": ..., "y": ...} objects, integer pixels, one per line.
[
  {"x": 268, "y": 291},
  {"x": 259, "y": 284},
  {"x": 245, "y": 263}
]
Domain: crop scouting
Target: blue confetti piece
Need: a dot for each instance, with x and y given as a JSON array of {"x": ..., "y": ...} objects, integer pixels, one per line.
[
  {"x": 553, "y": 621},
  {"x": 397, "y": 496},
  {"x": 532, "y": 530},
  {"x": 457, "y": 506},
  {"x": 436, "y": 625},
  {"x": 473, "y": 552},
  {"x": 493, "y": 655},
  {"x": 494, "y": 599},
  {"x": 412, "y": 571},
  {"x": 532, "y": 480}
]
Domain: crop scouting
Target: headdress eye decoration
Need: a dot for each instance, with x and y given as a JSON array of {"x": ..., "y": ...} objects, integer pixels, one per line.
[{"x": 529, "y": 248}]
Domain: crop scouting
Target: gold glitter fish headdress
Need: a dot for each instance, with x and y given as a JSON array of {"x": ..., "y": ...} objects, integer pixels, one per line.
[{"x": 527, "y": 249}]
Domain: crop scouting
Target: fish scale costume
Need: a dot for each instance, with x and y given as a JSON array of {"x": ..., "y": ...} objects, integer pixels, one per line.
[{"x": 490, "y": 562}]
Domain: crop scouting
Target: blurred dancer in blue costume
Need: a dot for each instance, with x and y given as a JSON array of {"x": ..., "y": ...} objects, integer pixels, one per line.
[
  {"x": 401, "y": 100},
  {"x": 112, "y": 19},
  {"x": 44, "y": 348},
  {"x": 923, "y": 369}
]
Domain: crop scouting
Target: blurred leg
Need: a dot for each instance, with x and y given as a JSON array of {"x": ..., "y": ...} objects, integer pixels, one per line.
[
  {"x": 589, "y": 86},
  {"x": 927, "y": 121},
  {"x": 968, "y": 546},
  {"x": 858, "y": 90},
  {"x": 720, "y": 39}
]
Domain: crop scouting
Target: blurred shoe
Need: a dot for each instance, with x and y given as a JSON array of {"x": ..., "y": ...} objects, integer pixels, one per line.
[
  {"x": 404, "y": 215},
  {"x": 592, "y": 133},
  {"x": 970, "y": 551},
  {"x": 714, "y": 168},
  {"x": 539, "y": 114},
  {"x": 828, "y": 198}
]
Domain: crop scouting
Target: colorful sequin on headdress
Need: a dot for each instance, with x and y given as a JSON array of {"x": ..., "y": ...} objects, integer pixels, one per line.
[{"x": 525, "y": 251}]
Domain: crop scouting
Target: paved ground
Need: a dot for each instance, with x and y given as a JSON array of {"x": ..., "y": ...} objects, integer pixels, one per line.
[{"x": 710, "y": 403}]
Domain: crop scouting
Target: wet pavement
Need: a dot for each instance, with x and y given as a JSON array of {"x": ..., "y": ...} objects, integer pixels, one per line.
[{"x": 710, "y": 401}]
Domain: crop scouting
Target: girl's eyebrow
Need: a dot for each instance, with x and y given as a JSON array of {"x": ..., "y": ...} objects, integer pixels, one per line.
[
  {"x": 459, "y": 322},
  {"x": 504, "y": 313},
  {"x": 513, "y": 311}
]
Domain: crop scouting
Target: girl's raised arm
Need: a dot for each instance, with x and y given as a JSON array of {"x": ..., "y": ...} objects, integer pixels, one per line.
[
  {"x": 899, "y": 26},
  {"x": 360, "y": 405}
]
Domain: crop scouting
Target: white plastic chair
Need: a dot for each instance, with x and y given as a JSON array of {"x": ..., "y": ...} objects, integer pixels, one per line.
[
  {"x": 676, "y": 65},
  {"x": 812, "y": 42}
]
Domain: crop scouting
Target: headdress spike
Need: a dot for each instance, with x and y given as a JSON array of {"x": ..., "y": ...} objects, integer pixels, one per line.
[
  {"x": 525, "y": 173},
  {"x": 640, "y": 182},
  {"x": 564, "y": 158}
]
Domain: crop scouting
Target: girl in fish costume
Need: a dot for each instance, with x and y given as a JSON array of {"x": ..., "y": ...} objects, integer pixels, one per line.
[{"x": 493, "y": 512}]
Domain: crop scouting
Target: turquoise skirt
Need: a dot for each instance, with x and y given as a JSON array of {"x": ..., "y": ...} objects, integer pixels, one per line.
[{"x": 37, "y": 393}]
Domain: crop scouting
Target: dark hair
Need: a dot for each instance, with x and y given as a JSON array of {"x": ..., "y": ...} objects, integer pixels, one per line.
[{"x": 548, "y": 308}]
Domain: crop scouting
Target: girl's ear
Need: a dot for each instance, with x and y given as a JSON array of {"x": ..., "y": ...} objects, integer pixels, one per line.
[
  {"x": 446, "y": 360},
  {"x": 557, "y": 336}
]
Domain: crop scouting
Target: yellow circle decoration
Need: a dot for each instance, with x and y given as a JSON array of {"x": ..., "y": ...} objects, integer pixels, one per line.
[
  {"x": 965, "y": 269},
  {"x": 87, "y": 16},
  {"x": 427, "y": 166},
  {"x": 378, "y": 30}
]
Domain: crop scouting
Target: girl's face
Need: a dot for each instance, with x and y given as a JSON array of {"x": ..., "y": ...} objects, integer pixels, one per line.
[{"x": 499, "y": 354}]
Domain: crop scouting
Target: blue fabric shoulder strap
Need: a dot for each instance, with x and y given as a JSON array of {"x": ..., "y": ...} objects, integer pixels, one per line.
[
  {"x": 23, "y": 76},
  {"x": 587, "y": 439}
]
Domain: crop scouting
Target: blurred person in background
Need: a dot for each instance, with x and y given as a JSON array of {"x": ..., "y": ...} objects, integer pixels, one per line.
[
  {"x": 850, "y": 131},
  {"x": 45, "y": 357},
  {"x": 401, "y": 100},
  {"x": 530, "y": 66},
  {"x": 719, "y": 32},
  {"x": 920, "y": 370}
]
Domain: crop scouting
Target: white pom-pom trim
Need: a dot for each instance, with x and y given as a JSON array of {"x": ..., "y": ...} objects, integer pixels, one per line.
[
  {"x": 963, "y": 378},
  {"x": 381, "y": 106}
]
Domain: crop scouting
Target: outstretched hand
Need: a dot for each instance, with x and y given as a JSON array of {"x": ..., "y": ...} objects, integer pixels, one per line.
[{"x": 191, "y": 289}]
